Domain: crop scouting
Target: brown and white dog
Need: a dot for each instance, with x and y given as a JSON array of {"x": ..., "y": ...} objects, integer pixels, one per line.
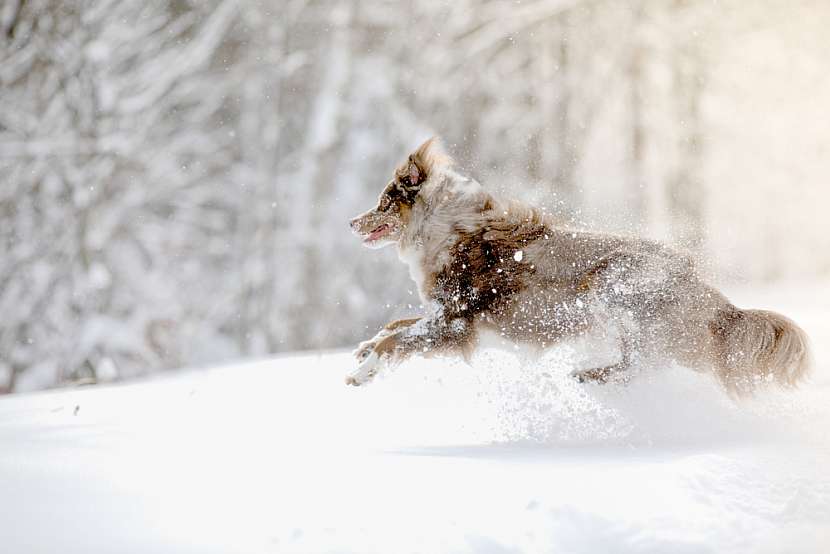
[{"x": 481, "y": 263}]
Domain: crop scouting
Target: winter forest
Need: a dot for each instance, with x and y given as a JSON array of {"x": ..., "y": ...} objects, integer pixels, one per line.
[{"x": 176, "y": 176}]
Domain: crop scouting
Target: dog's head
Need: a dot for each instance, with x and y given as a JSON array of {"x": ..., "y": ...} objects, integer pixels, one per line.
[{"x": 383, "y": 224}]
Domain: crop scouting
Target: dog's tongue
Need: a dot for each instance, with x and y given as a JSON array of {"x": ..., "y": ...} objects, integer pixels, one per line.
[{"x": 379, "y": 232}]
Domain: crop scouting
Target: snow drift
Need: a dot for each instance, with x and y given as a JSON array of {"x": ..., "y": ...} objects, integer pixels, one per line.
[{"x": 504, "y": 456}]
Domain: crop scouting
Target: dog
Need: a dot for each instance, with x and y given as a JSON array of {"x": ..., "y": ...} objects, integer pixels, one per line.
[{"x": 482, "y": 263}]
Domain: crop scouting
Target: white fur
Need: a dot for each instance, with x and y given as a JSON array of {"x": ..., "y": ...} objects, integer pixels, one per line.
[{"x": 365, "y": 371}]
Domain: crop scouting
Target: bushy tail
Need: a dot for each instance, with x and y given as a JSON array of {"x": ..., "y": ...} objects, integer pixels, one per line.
[{"x": 757, "y": 346}]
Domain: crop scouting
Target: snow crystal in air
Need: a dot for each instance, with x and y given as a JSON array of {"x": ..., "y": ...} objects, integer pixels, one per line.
[{"x": 518, "y": 255}]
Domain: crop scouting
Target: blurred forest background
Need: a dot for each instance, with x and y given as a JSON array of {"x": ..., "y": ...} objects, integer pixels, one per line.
[{"x": 176, "y": 175}]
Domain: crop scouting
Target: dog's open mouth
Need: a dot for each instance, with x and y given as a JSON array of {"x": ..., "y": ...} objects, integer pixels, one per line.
[{"x": 378, "y": 232}]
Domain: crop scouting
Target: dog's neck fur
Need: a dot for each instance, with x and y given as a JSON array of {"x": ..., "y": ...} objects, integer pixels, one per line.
[{"x": 449, "y": 204}]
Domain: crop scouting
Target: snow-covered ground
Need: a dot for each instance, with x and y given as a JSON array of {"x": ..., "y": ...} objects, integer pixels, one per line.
[{"x": 505, "y": 456}]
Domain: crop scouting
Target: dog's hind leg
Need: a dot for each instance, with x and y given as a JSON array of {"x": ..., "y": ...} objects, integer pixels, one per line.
[{"x": 618, "y": 372}]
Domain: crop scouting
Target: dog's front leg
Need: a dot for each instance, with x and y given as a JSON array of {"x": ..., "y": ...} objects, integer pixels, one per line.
[
  {"x": 399, "y": 340},
  {"x": 364, "y": 349},
  {"x": 367, "y": 357}
]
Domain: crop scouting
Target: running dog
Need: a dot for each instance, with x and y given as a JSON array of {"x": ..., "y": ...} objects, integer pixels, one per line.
[{"x": 483, "y": 263}]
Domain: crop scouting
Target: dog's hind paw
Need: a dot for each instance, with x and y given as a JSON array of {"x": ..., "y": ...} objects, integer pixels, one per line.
[
  {"x": 365, "y": 371},
  {"x": 602, "y": 375}
]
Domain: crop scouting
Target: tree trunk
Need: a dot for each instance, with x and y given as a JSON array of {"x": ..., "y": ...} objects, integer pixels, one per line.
[{"x": 685, "y": 190}]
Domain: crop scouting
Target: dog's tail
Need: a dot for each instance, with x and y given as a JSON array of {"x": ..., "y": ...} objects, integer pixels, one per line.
[{"x": 757, "y": 346}]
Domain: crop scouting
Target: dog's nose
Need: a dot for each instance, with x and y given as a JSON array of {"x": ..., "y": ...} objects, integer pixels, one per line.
[{"x": 353, "y": 224}]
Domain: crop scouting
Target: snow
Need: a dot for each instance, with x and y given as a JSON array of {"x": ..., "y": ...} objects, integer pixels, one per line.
[{"x": 507, "y": 455}]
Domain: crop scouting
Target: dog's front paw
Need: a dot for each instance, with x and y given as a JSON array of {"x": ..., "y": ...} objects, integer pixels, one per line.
[
  {"x": 363, "y": 350},
  {"x": 365, "y": 371}
]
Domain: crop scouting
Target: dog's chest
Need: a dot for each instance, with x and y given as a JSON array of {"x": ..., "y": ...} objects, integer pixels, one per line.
[
  {"x": 481, "y": 274},
  {"x": 414, "y": 258}
]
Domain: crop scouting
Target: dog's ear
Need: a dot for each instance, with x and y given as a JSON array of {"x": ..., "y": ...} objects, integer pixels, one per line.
[{"x": 423, "y": 161}]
